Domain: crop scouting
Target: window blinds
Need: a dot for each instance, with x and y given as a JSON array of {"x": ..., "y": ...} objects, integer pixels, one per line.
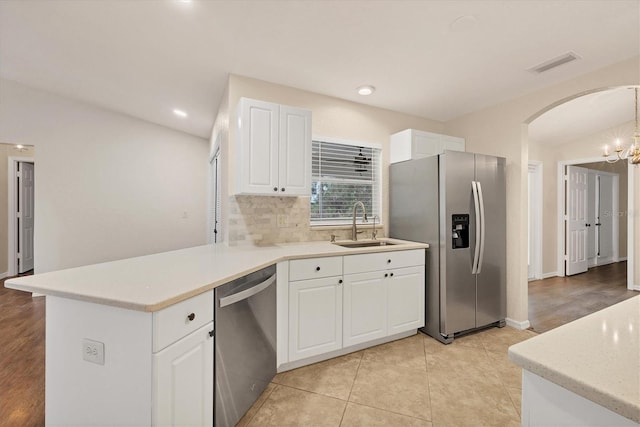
[{"x": 341, "y": 175}]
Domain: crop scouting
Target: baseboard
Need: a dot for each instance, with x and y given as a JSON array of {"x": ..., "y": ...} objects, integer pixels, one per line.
[
  {"x": 622, "y": 258},
  {"x": 517, "y": 324},
  {"x": 550, "y": 274},
  {"x": 3, "y": 275},
  {"x": 35, "y": 294}
]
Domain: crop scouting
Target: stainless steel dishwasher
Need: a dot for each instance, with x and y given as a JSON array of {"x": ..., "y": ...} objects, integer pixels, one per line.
[{"x": 245, "y": 343}]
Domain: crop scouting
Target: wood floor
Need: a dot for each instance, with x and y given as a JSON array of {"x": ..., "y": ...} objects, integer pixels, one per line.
[
  {"x": 21, "y": 359},
  {"x": 559, "y": 300}
]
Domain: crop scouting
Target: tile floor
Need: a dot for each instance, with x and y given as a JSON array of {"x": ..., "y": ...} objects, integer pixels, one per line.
[{"x": 416, "y": 381}]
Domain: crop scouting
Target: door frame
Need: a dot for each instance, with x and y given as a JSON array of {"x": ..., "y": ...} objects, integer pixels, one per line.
[
  {"x": 535, "y": 216},
  {"x": 12, "y": 262},
  {"x": 561, "y": 217}
]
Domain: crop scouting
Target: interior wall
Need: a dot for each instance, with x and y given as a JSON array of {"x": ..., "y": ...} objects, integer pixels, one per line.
[
  {"x": 251, "y": 219},
  {"x": 6, "y": 151},
  {"x": 108, "y": 186},
  {"x": 587, "y": 147},
  {"x": 502, "y": 130}
]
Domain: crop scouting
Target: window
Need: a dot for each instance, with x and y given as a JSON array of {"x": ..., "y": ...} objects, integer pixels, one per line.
[{"x": 342, "y": 173}]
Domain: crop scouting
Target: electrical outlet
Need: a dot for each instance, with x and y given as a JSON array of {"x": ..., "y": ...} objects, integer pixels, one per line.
[
  {"x": 93, "y": 351},
  {"x": 283, "y": 220}
]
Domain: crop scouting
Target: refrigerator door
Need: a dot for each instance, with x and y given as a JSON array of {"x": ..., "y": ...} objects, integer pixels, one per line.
[
  {"x": 457, "y": 283},
  {"x": 491, "y": 280},
  {"x": 413, "y": 213}
]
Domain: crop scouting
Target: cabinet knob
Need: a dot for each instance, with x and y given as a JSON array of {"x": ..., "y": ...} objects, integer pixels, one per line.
[
  {"x": 282, "y": 189},
  {"x": 212, "y": 333},
  {"x": 191, "y": 316},
  {"x": 391, "y": 274},
  {"x": 386, "y": 274},
  {"x": 275, "y": 188},
  {"x": 340, "y": 281},
  {"x": 318, "y": 268},
  {"x": 388, "y": 261}
]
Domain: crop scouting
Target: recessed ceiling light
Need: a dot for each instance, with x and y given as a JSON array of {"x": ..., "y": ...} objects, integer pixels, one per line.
[
  {"x": 366, "y": 90},
  {"x": 179, "y": 113}
]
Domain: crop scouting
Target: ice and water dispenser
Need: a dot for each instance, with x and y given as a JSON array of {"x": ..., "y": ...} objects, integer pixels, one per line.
[{"x": 460, "y": 231}]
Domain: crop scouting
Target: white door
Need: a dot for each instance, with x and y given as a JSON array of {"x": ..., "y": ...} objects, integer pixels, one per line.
[
  {"x": 405, "y": 290},
  {"x": 576, "y": 220},
  {"x": 315, "y": 317},
  {"x": 592, "y": 207},
  {"x": 365, "y": 307},
  {"x": 183, "y": 386},
  {"x": 25, "y": 216},
  {"x": 295, "y": 151},
  {"x": 604, "y": 224}
]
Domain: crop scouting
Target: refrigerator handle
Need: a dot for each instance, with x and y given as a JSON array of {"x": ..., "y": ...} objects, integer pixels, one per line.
[
  {"x": 482, "y": 233},
  {"x": 476, "y": 204}
]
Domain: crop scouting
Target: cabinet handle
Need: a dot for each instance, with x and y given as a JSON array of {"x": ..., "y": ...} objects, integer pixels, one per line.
[
  {"x": 275, "y": 188},
  {"x": 386, "y": 275},
  {"x": 282, "y": 189},
  {"x": 391, "y": 274},
  {"x": 212, "y": 333},
  {"x": 318, "y": 268},
  {"x": 191, "y": 316},
  {"x": 388, "y": 261},
  {"x": 340, "y": 281}
]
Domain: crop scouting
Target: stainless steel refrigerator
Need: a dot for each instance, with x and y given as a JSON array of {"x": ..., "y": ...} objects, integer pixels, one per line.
[{"x": 455, "y": 202}]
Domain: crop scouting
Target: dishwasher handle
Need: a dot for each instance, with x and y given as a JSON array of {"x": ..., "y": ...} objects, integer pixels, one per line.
[{"x": 239, "y": 296}]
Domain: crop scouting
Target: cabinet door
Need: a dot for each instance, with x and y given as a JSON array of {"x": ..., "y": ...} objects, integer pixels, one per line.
[
  {"x": 315, "y": 317},
  {"x": 405, "y": 291},
  {"x": 294, "y": 151},
  {"x": 365, "y": 307},
  {"x": 258, "y": 147},
  {"x": 183, "y": 381}
]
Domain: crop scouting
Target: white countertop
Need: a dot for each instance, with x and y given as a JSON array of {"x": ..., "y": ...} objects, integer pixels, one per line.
[
  {"x": 596, "y": 357},
  {"x": 152, "y": 282}
]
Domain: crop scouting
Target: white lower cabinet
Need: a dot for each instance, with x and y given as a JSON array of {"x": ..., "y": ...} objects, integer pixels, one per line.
[
  {"x": 375, "y": 296},
  {"x": 315, "y": 316},
  {"x": 183, "y": 381},
  {"x": 365, "y": 308},
  {"x": 405, "y": 299}
]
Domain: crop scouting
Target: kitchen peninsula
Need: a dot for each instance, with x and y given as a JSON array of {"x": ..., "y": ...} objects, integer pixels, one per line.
[
  {"x": 585, "y": 373},
  {"x": 131, "y": 342}
]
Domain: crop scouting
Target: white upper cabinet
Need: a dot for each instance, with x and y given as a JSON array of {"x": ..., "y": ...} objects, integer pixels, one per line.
[
  {"x": 274, "y": 149},
  {"x": 415, "y": 144}
]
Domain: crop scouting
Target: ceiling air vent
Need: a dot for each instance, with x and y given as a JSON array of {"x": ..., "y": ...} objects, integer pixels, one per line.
[{"x": 555, "y": 62}]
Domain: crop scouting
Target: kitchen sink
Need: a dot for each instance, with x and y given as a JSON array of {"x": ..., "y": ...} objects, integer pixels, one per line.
[{"x": 364, "y": 244}]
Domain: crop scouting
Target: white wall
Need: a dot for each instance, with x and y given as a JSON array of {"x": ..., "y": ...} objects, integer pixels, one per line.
[
  {"x": 108, "y": 186},
  {"x": 502, "y": 130}
]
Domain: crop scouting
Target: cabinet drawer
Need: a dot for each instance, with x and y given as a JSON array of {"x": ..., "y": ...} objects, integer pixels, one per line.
[
  {"x": 383, "y": 260},
  {"x": 314, "y": 268},
  {"x": 174, "y": 322}
]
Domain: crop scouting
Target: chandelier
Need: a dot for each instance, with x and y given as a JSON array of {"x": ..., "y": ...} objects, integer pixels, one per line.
[{"x": 633, "y": 152}]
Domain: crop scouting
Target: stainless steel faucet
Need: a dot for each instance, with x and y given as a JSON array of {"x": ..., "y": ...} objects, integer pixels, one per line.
[{"x": 354, "y": 228}]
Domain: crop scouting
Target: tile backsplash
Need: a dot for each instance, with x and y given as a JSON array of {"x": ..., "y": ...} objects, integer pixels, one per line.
[{"x": 253, "y": 220}]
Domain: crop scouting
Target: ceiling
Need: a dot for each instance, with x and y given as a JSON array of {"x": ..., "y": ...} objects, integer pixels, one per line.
[{"x": 434, "y": 59}]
